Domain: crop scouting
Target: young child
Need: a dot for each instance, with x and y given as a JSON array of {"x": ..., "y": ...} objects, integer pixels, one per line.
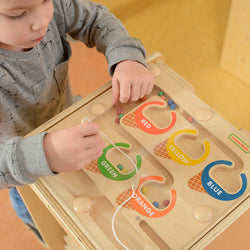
[{"x": 34, "y": 85}]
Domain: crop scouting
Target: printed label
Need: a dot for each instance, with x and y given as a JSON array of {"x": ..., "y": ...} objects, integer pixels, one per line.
[
  {"x": 145, "y": 208},
  {"x": 215, "y": 190},
  {"x": 239, "y": 143},
  {"x": 111, "y": 172},
  {"x": 147, "y": 126},
  {"x": 178, "y": 155}
]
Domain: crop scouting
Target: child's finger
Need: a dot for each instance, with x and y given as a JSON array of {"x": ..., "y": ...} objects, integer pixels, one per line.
[
  {"x": 135, "y": 92},
  {"x": 88, "y": 129},
  {"x": 93, "y": 141},
  {"x": 143, "y": 91},
  {"x": 92, "y": 154},
  {"x": 125, "y": 91},
  {"x": 149, "y": 88},
  {"x": 90, "y": 159},
  {"x": 116, "y": 90}
]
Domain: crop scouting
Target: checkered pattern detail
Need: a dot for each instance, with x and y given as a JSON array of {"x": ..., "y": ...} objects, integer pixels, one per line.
[
  {"x": 124, "y": 196},
  {"x": 161, "y": 150},
  {"x": 196, "y": 184},
  {"x": 93, "y": 167},
  {"x": 129, "y": 120}
]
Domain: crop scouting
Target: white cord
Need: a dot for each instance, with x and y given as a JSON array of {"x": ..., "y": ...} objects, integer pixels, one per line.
[{"x": 134, "y": 187}]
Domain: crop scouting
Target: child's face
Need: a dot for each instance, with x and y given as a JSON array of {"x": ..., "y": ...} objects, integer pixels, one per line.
[{"x": 23, "y": 23}]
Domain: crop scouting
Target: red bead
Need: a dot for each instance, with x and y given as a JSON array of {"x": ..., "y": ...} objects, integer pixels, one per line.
[
  {"x": 165, "y": 203},
  {"x": 117, "y": 120},
  {"x": 190, "y": 119},
  {"x": 118, "y": 111}
]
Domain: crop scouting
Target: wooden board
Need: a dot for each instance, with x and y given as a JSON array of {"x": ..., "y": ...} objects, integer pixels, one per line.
[{"x": 189, "y": 159}]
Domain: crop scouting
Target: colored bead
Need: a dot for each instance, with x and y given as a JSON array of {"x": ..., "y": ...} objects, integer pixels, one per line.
[
  {"x": 165, "y": 203},
  {"x": 117, "y": 120},
  {"x": 163, "y": 97},
  {"x": 173, "y": 106},
  {"x": 119, "y": 108},
  {"x": 118, "y": 111},
  {"x": 144, "y": 190},
  {"x": 156, "y": 204},
  {"x": 120, "y": 166},
  {"x": 124, "y": 170},
  {"x": 190, "y": 119},
  {"x": 170, "y": 102},
  {"x": 160, "y": 93},
  {"x": 144, "y": 98},
  {"x": 121, "y": 115}
]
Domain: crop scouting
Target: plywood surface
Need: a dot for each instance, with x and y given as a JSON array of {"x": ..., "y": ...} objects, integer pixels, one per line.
[{"x": 174, "y": 169}]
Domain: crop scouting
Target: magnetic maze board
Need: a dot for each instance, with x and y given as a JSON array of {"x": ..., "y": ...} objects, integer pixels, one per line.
[{"x": 192, "y": 170}]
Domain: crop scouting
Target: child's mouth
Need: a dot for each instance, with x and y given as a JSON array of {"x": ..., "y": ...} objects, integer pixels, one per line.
[{"x": 39, "y": 39}]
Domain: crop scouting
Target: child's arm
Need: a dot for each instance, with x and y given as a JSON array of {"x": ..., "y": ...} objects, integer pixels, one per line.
[
  {"x": 72, "y": 148},
  {"x": 24, "y": 159},
  {"x": 94, "y": 25},
  {"x": 131, "y": 81}
]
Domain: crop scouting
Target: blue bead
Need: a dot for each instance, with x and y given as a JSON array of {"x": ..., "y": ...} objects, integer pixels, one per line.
[
  {"x": 156, "y": 204},
  {"x": 170, "y": 102},
  {"x": 172, "y": 106}
]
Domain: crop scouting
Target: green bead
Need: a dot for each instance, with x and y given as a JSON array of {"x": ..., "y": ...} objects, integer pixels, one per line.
[
  {"x": 120, "y": 166},
  {"x": 160, "y": 93},
  {"x": 121, "y": 115}
]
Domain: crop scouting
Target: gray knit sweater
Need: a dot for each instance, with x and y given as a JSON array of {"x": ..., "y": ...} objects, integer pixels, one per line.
[{"x": 34, "y": 85}]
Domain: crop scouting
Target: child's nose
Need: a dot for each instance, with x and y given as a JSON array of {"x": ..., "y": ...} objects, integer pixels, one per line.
[{"x": 40, "y": 20}]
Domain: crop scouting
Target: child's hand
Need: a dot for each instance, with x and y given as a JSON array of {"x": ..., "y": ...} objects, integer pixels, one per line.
[
  {"x": 131, "y": 81},
  {"x": 72, "y": 148}
]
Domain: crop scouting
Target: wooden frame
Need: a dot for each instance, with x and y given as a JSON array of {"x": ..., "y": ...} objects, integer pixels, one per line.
[{"x": 57, "y": 197}]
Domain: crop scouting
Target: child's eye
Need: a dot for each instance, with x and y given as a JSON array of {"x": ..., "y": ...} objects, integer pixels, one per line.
[{"x": 18, "y": 16}]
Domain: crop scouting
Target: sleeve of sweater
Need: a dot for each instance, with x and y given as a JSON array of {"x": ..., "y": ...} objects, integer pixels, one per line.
[
  {"x": 94, "y": 25},
  {"x": 22, "y": 161}
]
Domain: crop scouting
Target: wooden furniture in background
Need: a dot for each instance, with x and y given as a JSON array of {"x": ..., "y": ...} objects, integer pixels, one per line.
[{"x": 235, "y": 56}]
